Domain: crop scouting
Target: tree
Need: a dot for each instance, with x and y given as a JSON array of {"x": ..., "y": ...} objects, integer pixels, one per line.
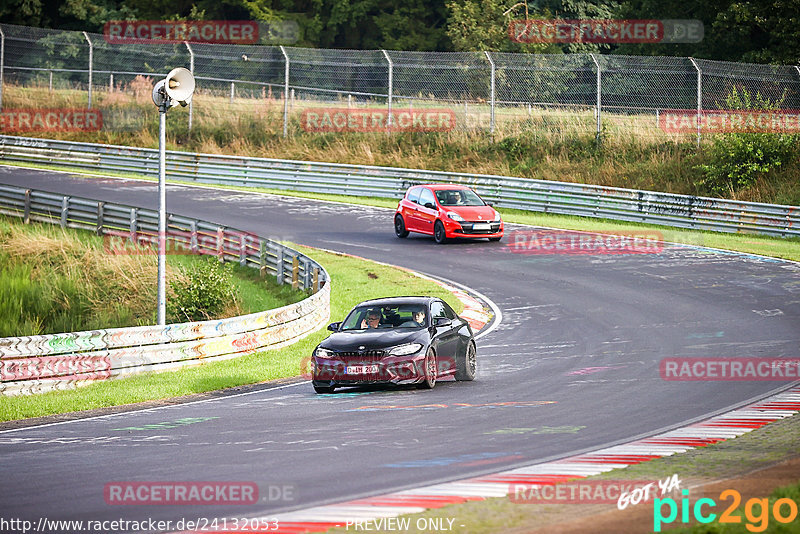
[{"x": 484, "y": 25}]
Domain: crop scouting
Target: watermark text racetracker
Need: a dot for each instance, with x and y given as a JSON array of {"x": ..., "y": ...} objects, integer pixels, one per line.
[
  {"x": 729, "y": 369},
  {"x": 51, "y": 120},
  {"x": 729, "y": 120},
  {"x": 605, "y": 31},
  {"x": 547, "y": 241},
  {"x": 178, "y": 242},
  {"x": 377, "y": 120}
]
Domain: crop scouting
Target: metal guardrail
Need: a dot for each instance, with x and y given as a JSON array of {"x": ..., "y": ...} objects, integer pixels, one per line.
[
  {"x": 33, "y": 364},
  {"x": 681, "y": 211}
]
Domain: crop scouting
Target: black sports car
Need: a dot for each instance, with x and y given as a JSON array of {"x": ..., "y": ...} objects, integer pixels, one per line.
[{"x": 397, "y": 340}]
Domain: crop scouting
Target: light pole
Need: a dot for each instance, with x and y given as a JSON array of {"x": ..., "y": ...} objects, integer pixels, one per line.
[{"x": 176, "y": 88}]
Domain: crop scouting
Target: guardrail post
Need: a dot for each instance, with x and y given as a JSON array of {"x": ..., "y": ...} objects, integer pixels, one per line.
[
  {"x": 100, "y": 209},
  {"x": 50, "y": 83},
  {"x": 306, "y": 274},
  {"x": 699, "y": 96},
  {"x": 279, "y": 266},
  {"x": 391, "y": 82},
  {"x": 133, "y": 224},
  {"x": 191, "y": 69},
  {"x": 232, "y": 91},
  {"x": 2, "y": 63},
  {"x": 295, "y": 271},
  {"x": 285, "y": 93},
  {"x": 111, "y": 82},
  {"x": 599, "y": 95},
  {"x": 262, "y": 258},
  {"x": 221, "y": 243},
  {"x": 64, "y": 211},
  {"x": 193, "y": 237},
  {"x": 26, "y": 215},
  {"x": 91, "y": 61},
  {"x": 491, "y": 88},
  {"x": 242, "y": 250},
  {"x": 315, "y": 280}
]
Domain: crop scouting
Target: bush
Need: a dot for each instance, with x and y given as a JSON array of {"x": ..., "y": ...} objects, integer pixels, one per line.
[
  {"x": 204, "y": 291},
  {"x": 737, "y": 160}
]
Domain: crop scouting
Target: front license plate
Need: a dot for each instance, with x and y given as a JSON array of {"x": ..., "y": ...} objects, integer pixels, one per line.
[
  {"x": 360, "y": 369},
  {"x": 481, "y": 226}
]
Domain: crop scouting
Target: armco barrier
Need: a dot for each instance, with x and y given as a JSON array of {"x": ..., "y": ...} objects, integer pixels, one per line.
[
  {"x": 680, "y": 211},
  {"x": 40, "y": 363}
]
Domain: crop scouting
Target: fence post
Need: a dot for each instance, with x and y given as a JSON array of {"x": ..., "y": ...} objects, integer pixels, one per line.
[
  {"x": 285, "y": 93},
  {"x": 262, "y": 258},
  {"x": 132, "y": 226},
  {"x": 26, "y": 213},
  {"x": 242, "y": 249},
  {"x": 315, "y": 280},
  {"x": 232, "y": 89},
  {"x": 295, "y": 272},
  {"x": 64, "y": 211},
  {"x": 91, "y": 61},
  {"x": 699, "y": 96},
  {"x": 599, "y": 95},
  {"x": 111, "y": 82},
  {"x": 279, "y": 266},
  {"x": 191, "y": 69},
  {"x": 2, "y": 63},
  {"x": 491, "y": 89},
  {"x": 193, "y": 243},
  {"x": 221, "y": 243},
  {"x": 100, "y": 213},
  {"x": 391, "y": 83}
]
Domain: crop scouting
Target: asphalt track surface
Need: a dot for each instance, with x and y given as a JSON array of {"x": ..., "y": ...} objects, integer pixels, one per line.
[{"x": 573, "y": 366}]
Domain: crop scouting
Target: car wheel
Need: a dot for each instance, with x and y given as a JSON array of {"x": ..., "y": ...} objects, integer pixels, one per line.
[
  {"x": 467, "y": 364},
  {"x": 400, "y": 226},
  {"x": 323, "y": 389},
  {"x": 430, "y": 371},
  {"x": 495, "y": 238},
  {"x": 439, "y": 235}
]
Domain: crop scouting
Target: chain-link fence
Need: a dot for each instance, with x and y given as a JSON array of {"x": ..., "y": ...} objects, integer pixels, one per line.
[{"x": 584, "y": 93}]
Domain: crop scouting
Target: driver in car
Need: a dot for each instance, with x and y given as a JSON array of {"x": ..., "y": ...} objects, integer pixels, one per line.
[{"x": 373, "y": 320}]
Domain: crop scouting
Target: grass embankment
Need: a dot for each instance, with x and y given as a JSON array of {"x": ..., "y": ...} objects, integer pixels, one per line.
[
  {"x": 63, "y": 280},
  {"x": 354, "y": 280},
  {"x": 545, "y": 144}
]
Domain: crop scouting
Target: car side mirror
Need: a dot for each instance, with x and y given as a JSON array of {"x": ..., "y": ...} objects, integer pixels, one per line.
[
  {"x": 430, "y": 206},
  {"x": 442, "y": 321},
  {"x": 334, "y": 327}
]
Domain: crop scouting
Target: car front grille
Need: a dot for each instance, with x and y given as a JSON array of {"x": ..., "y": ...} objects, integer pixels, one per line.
[
  {"x": 467, "y": 227},
  {"x": 362, "y": 356}
]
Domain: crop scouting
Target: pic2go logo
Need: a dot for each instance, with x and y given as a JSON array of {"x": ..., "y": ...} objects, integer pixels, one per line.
[{"x": 757, "y": 522}]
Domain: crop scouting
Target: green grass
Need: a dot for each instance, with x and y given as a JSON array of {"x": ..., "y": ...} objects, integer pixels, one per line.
[
  {"x": 353, "y": 280},
  {"x": 64, "y": 280}
]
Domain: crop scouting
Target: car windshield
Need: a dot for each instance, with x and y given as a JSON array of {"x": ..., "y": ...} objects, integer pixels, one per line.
[
  {"x": 396, "y": 316},
  {"x": 458, "y": 197}
]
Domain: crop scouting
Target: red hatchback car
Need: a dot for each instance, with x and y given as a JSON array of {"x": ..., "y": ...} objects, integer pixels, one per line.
[{"x": 446, "y": 211}]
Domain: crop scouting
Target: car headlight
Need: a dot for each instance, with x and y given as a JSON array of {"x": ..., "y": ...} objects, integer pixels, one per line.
[
  {"x": 408, "y": 348},
  {"x": 455, "y": 216},
  {"x": 323, "y": 353},
  {"x": 496, "y": 216}
]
